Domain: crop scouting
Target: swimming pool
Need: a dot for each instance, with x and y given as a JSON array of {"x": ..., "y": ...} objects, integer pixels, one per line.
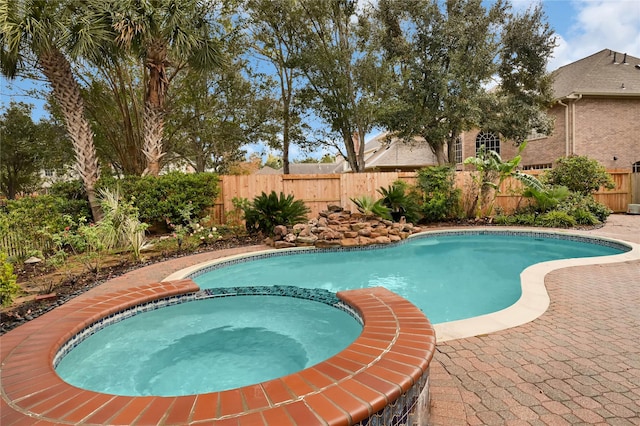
[{"x": 450, "y": 276}]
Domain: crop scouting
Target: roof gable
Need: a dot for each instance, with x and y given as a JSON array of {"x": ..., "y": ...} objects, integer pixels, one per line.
[{"x": 603, "y": 73}]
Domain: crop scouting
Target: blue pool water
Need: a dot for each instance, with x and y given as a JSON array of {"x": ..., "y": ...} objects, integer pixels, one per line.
[
  {"x": 208, "y": 345},
  {"x": 449, "y": 277}
]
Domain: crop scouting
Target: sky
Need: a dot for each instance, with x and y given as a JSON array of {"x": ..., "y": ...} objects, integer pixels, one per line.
[{"x": 582, "y": 27}]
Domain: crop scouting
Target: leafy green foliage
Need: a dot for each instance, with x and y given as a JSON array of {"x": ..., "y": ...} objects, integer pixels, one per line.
[
  {"x": 370, "y": 207},
  {"x": 401, "y": 201},
  {"x": 34, "y": 220},
  {"x": 556, "y": 219},
  {"x": 441, "y": 197},
  {"x": 28, "y": 148},
  {"x": 580, "y": 174},
  {"x": 9, "y": 287},
  {"x": 491, "y": 171},
  {"x": 547, "y": 198},
  {"x": 578, "y": 202},
  {"x": 161, "y": 199},
  {"x": 267, "y": 211}
]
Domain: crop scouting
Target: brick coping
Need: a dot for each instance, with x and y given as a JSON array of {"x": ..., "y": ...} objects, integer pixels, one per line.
[{"x": 391, "y": 355}]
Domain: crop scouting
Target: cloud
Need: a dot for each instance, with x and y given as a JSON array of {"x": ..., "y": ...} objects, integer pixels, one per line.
[{"x": 598, "y": 25}]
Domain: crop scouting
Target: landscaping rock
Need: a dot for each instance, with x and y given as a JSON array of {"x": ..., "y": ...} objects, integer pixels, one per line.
[{"x": 336, "y": 227}]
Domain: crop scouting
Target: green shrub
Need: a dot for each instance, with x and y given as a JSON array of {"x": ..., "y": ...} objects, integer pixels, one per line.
[
  {"x": 580, "y": 174},
  {"x": 75, "y": 199},
  {"x": 401, "y": 201},
  {"x": 33, "y": 221},
  {"x": 370, "y": 207},
  {"x": 586, "y": 203},
  {"x": 441, "y": 198},
  {"x": 584, "y": 217},
  {"x": 9, "y": 287},
  {"x": 161, "y": 199},
  {"x": 267, "y": 211},
  {"x": 548, "y": 198},
  {"x": 556, "y": 219}
]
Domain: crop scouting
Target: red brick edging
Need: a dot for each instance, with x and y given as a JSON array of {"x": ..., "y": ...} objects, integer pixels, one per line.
[{"x": 390, "y": 356}]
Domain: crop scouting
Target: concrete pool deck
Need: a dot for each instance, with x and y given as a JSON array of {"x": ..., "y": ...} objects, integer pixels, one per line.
[{"x": 577, "y": 363}]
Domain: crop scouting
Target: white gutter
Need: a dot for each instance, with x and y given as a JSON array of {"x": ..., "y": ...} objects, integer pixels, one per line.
[
  {"x": 566, "y": 128},
  {"x": 574, "y": 98}
]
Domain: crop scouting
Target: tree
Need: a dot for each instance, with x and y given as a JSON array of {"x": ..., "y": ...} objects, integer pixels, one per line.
[
  {"x": 168, "y": 36},
  {"x": 213, "y": 114},
  {"x": 274, "y": 33},
  {"x": 344, "y": 75},
  {"x": 27, "y": 149},
  {"x": 448, "y": 55},
  {"x": 46, "y": 30}
]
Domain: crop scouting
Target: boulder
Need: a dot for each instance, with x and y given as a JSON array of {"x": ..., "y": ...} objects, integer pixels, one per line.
[
  {"x": 327, "y": 244},
  {"x": 349, "y": 242},
  {"x": 283, "y": 244}
]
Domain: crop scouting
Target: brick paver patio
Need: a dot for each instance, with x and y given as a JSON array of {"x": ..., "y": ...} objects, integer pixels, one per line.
[{"x": 578, "y": 363}]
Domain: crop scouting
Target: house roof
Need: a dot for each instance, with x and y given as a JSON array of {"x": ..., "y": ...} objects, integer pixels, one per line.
[
  {"x": 604, "y": 73},
  {"x": 303, "y": 169},
  {"x": 395, "y": 152}
]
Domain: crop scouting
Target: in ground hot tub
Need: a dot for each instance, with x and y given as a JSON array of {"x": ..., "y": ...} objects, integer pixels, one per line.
[{"x": 214, "y": 343}]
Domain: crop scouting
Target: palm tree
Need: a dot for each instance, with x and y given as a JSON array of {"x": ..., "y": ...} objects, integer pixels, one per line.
[
  {"x": 43, "y": 30},
  {"x": 166, "y": 35}
]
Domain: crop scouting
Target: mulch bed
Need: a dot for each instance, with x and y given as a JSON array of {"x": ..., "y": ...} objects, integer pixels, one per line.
[{"x": 75, "y": 285}]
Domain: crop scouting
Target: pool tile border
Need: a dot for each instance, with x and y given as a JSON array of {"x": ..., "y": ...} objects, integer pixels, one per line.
[{"x": 382, "y": 378}]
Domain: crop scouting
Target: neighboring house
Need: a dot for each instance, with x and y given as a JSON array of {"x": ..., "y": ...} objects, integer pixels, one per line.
[
  {"x": 304, "y": 169},
  {"x": 596, "y": 113}
]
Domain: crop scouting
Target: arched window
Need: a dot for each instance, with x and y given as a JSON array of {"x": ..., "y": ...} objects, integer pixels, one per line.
[
  {"x": 491, "y": 142},
  {"x": 635, "y": 167}
]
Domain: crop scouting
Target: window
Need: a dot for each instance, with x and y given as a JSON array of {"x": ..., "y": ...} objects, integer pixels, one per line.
[
  {"x": 457, "y": 148},
  {"x": 48, "y": 173},
  {"x": 635, "y": 167},
  {"x": 490, "y": 141},
  {"x": 537, "y": 166}
]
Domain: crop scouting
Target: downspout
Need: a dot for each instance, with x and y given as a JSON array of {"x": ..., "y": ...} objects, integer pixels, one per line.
[
  {"x": 566, "y": 128},
  {"x": 573, "y": 121}
]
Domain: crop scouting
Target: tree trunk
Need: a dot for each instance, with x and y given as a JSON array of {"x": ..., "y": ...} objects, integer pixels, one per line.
[
  {"x": 66, "y": 92},
  {"x": 154, "y": 106},
  {"x": 153, "y": 129}
]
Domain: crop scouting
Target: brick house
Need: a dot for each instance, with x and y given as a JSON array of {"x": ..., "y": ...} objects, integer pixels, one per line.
[{"x": 596, "y": 113}]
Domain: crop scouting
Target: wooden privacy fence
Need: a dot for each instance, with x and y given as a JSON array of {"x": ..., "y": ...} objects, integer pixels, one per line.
[{"x": 319, "y": 190}]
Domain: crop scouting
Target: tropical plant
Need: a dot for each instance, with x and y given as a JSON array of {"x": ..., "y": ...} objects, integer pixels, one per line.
[
  {"x": 121, "y": 225},
  {"x": 580, "y": 174},
  {"x": 441, "y": 199},
  {"x": 47, "y": 29},
  {"x": 401, "y": 201},
  {"x": 9, "y": 287},
  {"x": 267, "y": 211},
  {"x": 547, "y": 198},
  {"x": 370, "y": 207},
  {"x": 556, "y": 219},
  {"x": 168, "y": 35},
  {"x": 491, "y": 172}
]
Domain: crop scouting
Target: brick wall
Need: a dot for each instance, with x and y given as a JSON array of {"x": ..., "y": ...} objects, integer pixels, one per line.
[{"x": 604, "y": 128}]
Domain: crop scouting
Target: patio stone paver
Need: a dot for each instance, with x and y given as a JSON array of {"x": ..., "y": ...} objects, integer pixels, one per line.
[{"x": 578, "y": 363}]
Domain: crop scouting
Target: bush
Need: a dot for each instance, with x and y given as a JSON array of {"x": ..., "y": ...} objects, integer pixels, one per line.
[
  {"x": 401, "y": 201},
  {"x": 9, "y": 287},
  {"x": 577, "y": 202},
  {"x": 75, "y": 202},
  {"x": 441, "y": 198},
  {"x": 267, "y": 211},
  {"x": 556, "y": 219},
  {"x": 580, "y": 174},
  {"x": 370, "y": 207},
  {"x": 34, "y": 220},
  {"x": 161, "y": 199}
]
